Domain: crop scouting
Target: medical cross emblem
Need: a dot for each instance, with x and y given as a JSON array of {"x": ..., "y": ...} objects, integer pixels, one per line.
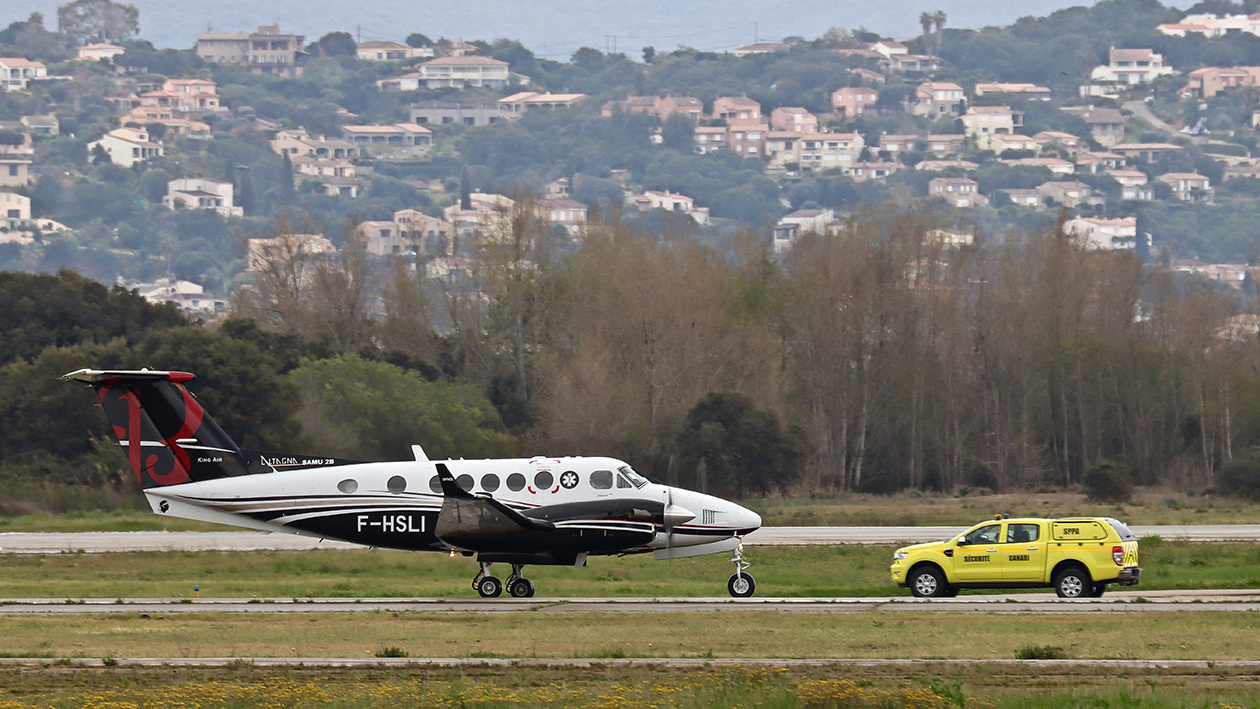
[{"x": 569, "y": 480}]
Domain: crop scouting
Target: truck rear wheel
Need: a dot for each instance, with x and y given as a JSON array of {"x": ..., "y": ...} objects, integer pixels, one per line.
[
  {"x": 1073, "y": 583},
  {"x": 927, "y": 582}
]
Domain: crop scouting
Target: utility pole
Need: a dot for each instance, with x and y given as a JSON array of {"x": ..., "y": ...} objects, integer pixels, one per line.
[{"x": 756, "y": 32}]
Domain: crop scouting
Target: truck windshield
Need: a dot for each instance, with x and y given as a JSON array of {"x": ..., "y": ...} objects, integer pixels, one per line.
[{"x": 1122, "y": 530}]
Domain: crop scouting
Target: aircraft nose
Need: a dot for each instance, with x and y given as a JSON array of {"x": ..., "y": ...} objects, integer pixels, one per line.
[{"x": 746, "y": 520}]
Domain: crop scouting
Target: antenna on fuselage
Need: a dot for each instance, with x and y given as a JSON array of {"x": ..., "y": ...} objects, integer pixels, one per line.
[{"x": 419, "y": 453}]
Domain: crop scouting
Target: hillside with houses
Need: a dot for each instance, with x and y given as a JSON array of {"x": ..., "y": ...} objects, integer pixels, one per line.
[
  {"x": 123, "y": 148},
  {"x": 468, "y": 211}
]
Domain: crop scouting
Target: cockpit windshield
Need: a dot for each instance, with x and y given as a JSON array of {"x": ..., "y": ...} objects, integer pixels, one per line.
[{"x": 637, "y": 480}]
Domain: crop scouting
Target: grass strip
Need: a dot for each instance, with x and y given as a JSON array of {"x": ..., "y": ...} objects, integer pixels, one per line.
[
  {"x": 812, "y": 571},
  {"x": 924, "y": 687},
  {"x": 537, "y": 634}
]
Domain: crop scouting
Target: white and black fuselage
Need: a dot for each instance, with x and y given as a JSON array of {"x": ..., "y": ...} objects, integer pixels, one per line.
[
  {"x": 517, "y": 511},
  {"x": 593, "y": 506}
]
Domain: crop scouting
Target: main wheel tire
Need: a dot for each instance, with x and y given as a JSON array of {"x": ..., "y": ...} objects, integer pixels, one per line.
[
  {"x": 490, "y": 587},
  {"x": 741, "y": 585},
  {"x": 1099, "y": 589},
  {"x": 928, "y": 582},
  {"x": 1073, "y": 583},
  {"x": 522, "y": 588}
]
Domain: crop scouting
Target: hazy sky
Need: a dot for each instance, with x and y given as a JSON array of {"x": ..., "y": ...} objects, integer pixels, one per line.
[{"x": 555, "y": 28}]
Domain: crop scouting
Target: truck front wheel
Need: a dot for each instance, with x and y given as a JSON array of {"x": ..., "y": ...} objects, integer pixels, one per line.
[
  {"x": 1073, "y": 583},
  {"x": 928, "y": 582}
]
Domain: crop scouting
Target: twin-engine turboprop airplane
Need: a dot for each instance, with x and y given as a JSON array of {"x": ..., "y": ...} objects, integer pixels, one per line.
[{"x": 555, "y": 511}]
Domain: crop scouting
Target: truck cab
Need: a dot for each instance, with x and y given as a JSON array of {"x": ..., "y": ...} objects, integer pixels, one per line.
[{"x": 1077, "y": 557}]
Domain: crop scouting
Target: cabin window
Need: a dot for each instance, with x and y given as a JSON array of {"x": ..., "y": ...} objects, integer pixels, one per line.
[
  {"x": 348, "y": 485},
  {"x": 516, "y": 482},
  {"x": 543, "y": 480},
  {"x": 396, "y": 484},
  {"x": 465, "y": 482},
  {"x": 435, "y": 485},
  {"x": 1021, "y": 533},
  {"x": 602, "y": 479},
  {"x": 489, "y": 482}
]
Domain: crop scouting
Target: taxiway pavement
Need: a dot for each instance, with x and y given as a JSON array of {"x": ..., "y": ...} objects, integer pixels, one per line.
[
  {"x": 1116, "y": 602},
  {"x": 101, "y": 542}
]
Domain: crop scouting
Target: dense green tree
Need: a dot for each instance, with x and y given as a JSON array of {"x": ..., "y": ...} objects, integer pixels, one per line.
[
  {"x": 87, "y": 21},
  {"x": 333, "y": 44},
  {"x": 679, "y": 132},
  {"x": 1107, "y": 481},
  {"x": 236, "y": 383},
  {"x": 415, "y": 39},
  {"x": 40, "y": 413},
  {"x": 745, "y": 449},
  {"x": 39, "y": 311},
  {"x": 375, "y": 410}
]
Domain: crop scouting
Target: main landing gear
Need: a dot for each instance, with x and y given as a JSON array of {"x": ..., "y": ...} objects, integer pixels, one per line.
[
  {"x": 490, "y": 587},
  {"x": 741, "y": 585}
]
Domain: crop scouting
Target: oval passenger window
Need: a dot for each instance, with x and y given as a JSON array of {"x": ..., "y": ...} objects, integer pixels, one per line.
[
  {"x": 435, "y": 485},
  {"x": 348, "y": 485},
  {"x": 396, "y": 484},
  {"x": 602, "y": 479},
  {"x": 516, "y": 482},
  {"x": 489, "y": 482},
  {"x": 465, "y": 482},
  {"x": 543, "y": 480}
]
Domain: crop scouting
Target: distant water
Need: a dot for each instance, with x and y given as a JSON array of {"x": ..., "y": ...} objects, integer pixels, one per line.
[{"x": 556, "y": 28}]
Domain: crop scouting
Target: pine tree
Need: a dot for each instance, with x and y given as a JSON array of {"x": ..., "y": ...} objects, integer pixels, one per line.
[{"x": 286, "y": 181}]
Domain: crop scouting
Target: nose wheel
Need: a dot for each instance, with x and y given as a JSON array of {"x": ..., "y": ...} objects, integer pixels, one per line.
[{"x": 741, "y": 583}]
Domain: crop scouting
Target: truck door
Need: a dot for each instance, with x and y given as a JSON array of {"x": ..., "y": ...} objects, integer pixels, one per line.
[
  {"x": 976, "y": 557},
  {"x": 1023, "y": 552}
]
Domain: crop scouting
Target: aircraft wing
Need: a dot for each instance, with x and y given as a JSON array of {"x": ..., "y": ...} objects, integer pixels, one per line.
[{"x": 466, "y": 516}]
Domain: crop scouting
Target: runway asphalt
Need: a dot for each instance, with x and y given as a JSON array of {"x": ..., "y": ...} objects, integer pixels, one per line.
[
  {"x": 100, "y": 542},
  {"x": 1115, "y": 602}
]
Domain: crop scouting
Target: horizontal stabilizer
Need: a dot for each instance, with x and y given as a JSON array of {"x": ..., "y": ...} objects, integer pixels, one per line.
[
  {"x": 465, "y": 516},
  {"x": 96, "y": 376}
]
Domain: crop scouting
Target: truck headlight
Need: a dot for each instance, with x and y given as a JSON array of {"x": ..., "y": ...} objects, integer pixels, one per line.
[{"x": 899, "y": 555}]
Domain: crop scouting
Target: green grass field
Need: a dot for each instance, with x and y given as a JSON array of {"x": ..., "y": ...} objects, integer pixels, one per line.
[
  {"x": 809, "y": 571},
  {"x": 609, "y": 686},
  {"x": 908, "y": 634}
]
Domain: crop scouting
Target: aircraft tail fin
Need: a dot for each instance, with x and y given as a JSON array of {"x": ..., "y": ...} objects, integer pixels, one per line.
[{"x": 169, "y": 439}]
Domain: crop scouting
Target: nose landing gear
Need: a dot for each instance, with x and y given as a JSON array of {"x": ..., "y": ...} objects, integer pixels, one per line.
[{"x": 741, "y": 585}]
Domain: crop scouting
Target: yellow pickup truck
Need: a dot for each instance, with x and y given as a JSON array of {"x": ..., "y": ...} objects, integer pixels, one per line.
[{"x": 1078, "y": 557}]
